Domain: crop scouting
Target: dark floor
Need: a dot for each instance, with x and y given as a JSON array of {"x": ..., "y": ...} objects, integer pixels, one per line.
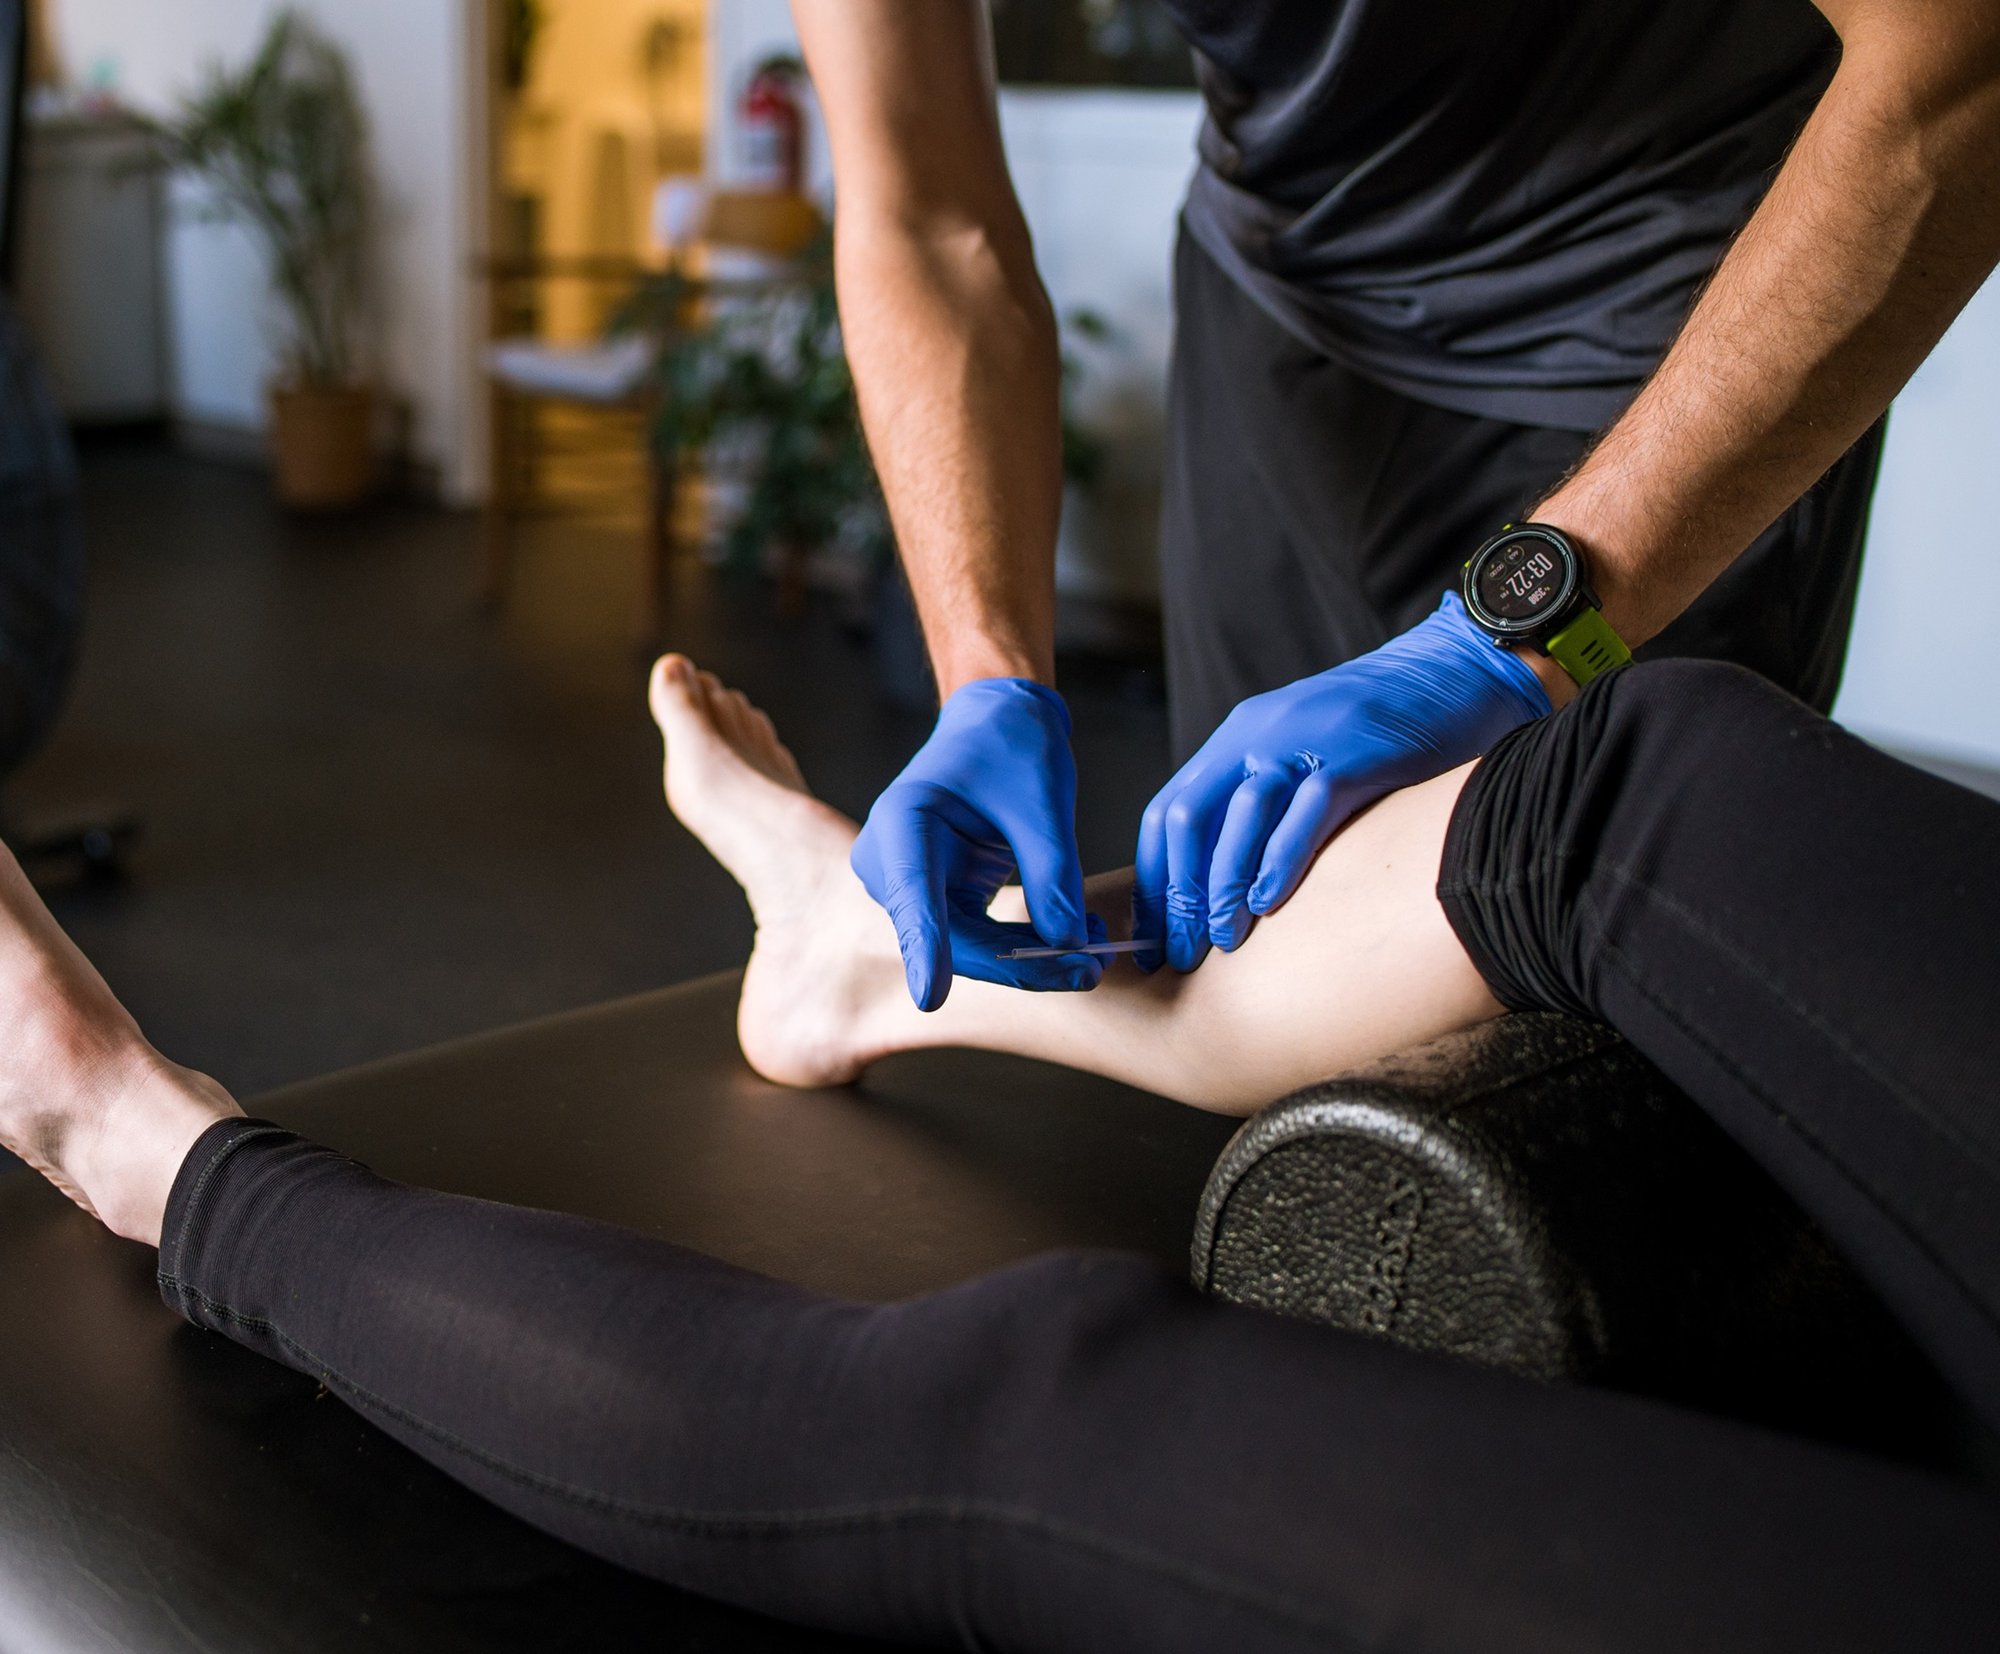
[{"x": 376, "y": 817}]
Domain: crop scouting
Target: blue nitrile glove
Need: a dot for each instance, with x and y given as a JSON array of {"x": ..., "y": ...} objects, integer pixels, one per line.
[
  {"x": 992, "y": 790},
  {"x": 1233, "y": 833}
]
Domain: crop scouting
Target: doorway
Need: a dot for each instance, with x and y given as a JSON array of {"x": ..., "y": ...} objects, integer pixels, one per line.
[
  {"x": 597, "y": 103},
  {"x": 590, "y": 106}
]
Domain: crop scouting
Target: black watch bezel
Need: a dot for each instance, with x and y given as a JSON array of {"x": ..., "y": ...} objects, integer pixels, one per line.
[{"x": 1574, "y": 595}]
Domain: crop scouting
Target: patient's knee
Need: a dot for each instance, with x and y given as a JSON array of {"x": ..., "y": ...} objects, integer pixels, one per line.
[{"x": 1691, "y": 695}]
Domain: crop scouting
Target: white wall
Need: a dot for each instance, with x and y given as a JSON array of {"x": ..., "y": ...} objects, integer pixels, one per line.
[
  {"x": 410, "y": 58},
  {"x": 1921, "y": 675},
  {"x": 1100, "y": 175}
]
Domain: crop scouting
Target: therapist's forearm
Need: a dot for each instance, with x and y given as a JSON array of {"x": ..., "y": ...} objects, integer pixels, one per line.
[
  {"x": 946, "y": 325},
  {"x": 1880, "y": 225},
  {"x": 954, "y": 350}
]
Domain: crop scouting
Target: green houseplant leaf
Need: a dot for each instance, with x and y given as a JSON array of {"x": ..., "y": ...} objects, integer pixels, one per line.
[
  {"x": 282, "y": 143},
  {"x": 765, "y": 376}
]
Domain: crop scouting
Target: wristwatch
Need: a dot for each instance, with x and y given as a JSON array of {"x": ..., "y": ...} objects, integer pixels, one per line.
[{"x": 1528, "y": 585}]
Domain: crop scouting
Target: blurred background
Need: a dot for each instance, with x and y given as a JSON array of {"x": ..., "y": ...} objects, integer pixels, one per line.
[{"x": 388, "y": 488}]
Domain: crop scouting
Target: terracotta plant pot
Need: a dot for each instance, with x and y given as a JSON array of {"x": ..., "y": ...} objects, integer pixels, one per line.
[{"x": 323, "y": 445}]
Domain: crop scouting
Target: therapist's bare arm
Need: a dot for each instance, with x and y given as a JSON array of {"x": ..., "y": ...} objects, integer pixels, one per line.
[
  {"x": 1882, "y": 222},
  {"x": 949, "y": 331}
]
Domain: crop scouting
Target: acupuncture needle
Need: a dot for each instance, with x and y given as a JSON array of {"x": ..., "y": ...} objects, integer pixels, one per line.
[{"x": 1134, "y": 946}]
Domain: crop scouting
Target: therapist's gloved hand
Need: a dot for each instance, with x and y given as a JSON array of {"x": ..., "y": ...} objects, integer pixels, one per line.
[
  {"x": 1233, "y": 833},
  {"x": 992, "y": 791}
]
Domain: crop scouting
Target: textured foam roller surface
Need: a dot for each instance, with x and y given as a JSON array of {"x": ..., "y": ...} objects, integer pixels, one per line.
[{"x": 1534, "y": 1195}]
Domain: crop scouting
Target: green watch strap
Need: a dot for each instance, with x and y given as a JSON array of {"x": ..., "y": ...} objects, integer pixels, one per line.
[{"x": 1587, "y": 647}]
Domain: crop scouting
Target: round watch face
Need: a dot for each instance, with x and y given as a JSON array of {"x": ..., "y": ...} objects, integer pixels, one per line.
[{"x": 1521, "y": 579}]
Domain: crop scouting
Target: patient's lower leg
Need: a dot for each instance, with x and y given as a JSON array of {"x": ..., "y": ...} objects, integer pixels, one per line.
[
  {"x": 1359, "y": 963},
  {"x": 83, "y": 1098}
]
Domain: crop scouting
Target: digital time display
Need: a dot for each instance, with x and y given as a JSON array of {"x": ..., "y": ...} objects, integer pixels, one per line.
[{"x": 1520, "y": 580}]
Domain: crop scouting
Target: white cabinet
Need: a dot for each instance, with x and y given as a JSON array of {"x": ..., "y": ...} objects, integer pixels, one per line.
[{"x": 90, "y": 290}]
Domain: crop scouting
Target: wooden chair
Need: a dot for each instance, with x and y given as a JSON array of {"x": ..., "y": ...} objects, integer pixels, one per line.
[{"x": 745, "y": 239}]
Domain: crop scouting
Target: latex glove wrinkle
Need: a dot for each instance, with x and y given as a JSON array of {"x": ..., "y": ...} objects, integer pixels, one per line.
[
  {"x": 1231, "y": 835},
  {"x": 990, "y": 794}
]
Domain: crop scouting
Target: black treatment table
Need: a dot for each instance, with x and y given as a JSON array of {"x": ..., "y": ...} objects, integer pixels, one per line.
[{"x": 163, "y": 1490}]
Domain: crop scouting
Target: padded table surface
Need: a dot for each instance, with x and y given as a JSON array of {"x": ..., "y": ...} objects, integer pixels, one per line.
[{"x": 161, "y": 1489}]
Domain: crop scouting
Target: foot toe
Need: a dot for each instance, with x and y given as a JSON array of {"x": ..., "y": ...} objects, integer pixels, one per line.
[
  {"x": 672, "y": 685},
  {"x": 751, "y": 728}
]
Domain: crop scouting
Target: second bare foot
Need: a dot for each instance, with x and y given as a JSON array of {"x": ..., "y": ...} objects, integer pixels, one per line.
[{"x": 83, "y": 1098}]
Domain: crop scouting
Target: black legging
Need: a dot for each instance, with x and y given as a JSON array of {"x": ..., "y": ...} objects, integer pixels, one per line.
[{"x": 1080, "y": 1454}]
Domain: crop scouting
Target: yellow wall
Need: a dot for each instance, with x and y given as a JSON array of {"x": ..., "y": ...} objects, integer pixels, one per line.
[{"x": 592, "y": 131}]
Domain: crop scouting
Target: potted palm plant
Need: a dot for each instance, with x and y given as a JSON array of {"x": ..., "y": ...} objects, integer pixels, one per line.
[
  {"x": 766, "y": 380},
  {"x": 282, "y": 144}
]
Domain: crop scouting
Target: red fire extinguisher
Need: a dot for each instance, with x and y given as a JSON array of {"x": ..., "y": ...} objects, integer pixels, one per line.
[{"x": 772, "y": 126}]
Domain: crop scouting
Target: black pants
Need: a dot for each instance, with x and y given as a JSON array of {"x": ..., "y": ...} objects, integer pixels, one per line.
[
  {"x": 1311, "y": 514},
  {"x": 1079, "y": 1453}
]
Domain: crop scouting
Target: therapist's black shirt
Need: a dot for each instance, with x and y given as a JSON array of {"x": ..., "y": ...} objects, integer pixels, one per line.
[{"x": 1503, "y": 207}]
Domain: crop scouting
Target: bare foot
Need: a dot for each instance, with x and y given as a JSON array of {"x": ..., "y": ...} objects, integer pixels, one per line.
[
  {"x": 83, "y": 1098},
  {"x": 825, "y": 960}
]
